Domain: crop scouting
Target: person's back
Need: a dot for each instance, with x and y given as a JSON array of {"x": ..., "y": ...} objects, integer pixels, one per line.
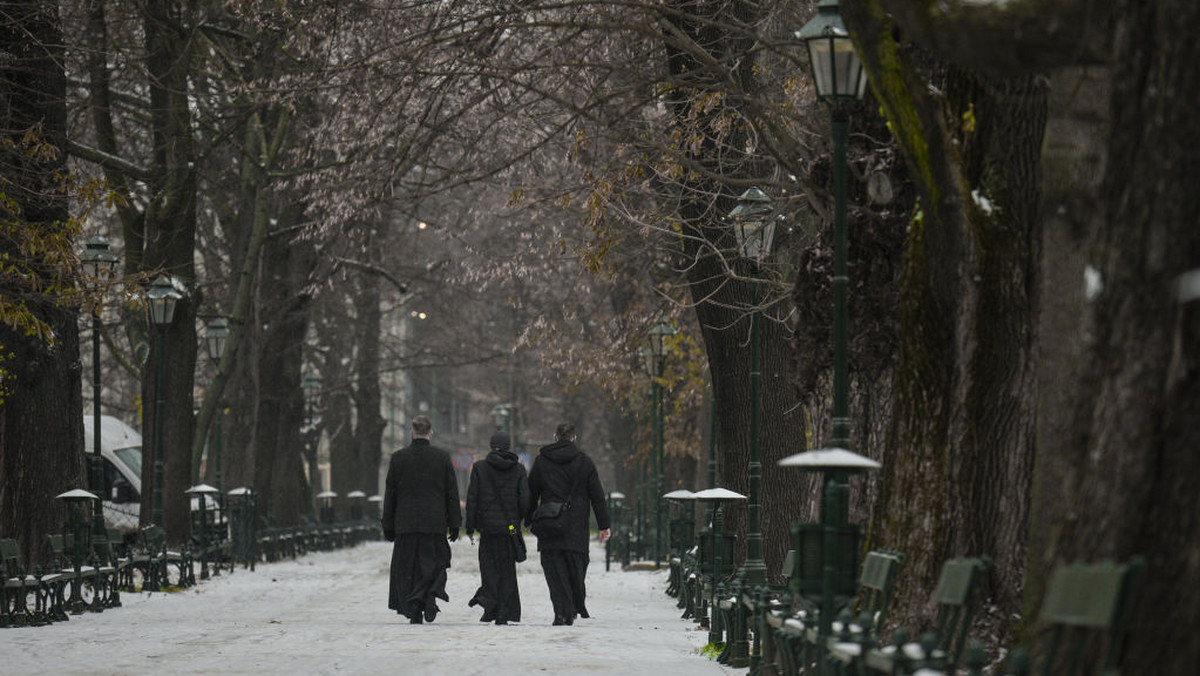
[
  {"x": 420, "y": 503},
  {"x": 563, "y": 474},
  {"x": 497, "y": 501},
  {"x": 425, "y": 489}
]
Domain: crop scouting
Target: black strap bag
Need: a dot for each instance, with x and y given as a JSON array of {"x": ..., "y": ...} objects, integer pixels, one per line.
[
  {"x": 549, "y": 520},
  {"x": 514, "y": 528}
]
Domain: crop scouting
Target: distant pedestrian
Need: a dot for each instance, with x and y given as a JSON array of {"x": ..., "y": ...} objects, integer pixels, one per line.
[
  {"x": 497, "y": 503},
  {"x": 420, "y": 512},
  {"x": 564, "y": 479}
]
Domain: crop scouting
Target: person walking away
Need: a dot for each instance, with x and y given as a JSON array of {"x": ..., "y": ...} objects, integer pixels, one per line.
[
  {"x": 562, "y": 473},
  {"x": 497, "y": 503},
  {"x": 420, "y": 512}
]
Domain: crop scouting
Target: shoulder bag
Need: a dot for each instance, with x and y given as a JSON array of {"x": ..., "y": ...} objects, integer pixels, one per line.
[{"x": 549, "y": 520}]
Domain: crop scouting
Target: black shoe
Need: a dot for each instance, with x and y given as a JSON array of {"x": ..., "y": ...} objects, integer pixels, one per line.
[
  {"x": 584, "y": 614},
  {"x": 501, "y": 621},
  {"x": 568, "y": 621},
  {"x": 431, "y": 614},
  {"x": 488, "y": 616},
  {"x": 558, "y": 621},
  {"x": 415, "y": 619}
]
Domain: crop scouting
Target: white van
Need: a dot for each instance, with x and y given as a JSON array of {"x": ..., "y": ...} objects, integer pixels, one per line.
[{"x": 121, "y": 449}]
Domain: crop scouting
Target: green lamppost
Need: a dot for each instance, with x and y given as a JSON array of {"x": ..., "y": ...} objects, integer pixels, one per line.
[
  {"x": 161, "y": 299},
  {"x": 99, "y": 262},
  {"x": 655, "y": 366},
  {"x": 504, "y": 418},
  {"x": 754, "y": 225},
  {"x": 836, "y": 539},
  {"x": 201, "y": 493},
  {"x": 840, "y": 81},
  {"x": 216, "y": 337},
  {"x": 311, "y": 386},
  {"x": 78, "y": 526},
  {"x": 716, "y": 496}
]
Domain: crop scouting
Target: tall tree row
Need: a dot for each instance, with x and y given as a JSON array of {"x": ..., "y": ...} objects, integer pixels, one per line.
[{"x": 40, "y": 384}]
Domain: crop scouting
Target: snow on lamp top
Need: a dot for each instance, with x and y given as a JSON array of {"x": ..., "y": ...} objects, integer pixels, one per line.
[{"x": 837, "y": 459}]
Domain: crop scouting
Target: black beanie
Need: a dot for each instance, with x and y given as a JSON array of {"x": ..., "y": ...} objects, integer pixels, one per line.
[{"x": 500, "y": 441}]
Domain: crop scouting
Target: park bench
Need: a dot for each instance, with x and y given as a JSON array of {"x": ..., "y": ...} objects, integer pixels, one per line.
[
  {"x": 209, "y": 542},
  {"x": 958, "y": 595},
  {"x": 1085, "y": 611},
  {"x": 22, "y": 602},
  {"x": 757, "y": 603},
  {"x": 797, "y": 638},
  {"x": 86, "y": 582},
  {"x": 702, "y": 580},
  {"x": 113, "y": 564},
  {"x": 154, "y": 560}
]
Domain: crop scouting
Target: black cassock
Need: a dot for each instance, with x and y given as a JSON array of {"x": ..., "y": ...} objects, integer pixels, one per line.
[
  {"x": 498, "y": 593},
  {"x": 419, "y": 563}
]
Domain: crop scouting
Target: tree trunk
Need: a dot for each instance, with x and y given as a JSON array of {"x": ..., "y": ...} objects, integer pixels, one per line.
[
  {"x": 362, "y": 472},
  {"x": 723, "y": 305},
  {"x": 958, "y": 455},
  {"x": 283, "y": 305},
  {"x": 41, "y": 403},
  {"x": 170, "y": 229},
  {"x": 1117, "y": 479}
]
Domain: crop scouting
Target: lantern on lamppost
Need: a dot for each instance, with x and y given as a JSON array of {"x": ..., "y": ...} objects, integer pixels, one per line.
[
  {"x": 160, "y": 300},
  {"x": 99, "y": 263}
]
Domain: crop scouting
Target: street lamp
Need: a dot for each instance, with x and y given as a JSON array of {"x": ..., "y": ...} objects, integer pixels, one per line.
[
  {"x": 835, "y": 541},
  {"x": 202, "y": 491},
  {"x": 655, "y": 365},
  {"x": 99, "y": 262},
  {"x": 161, "y": 299},
  {"x": 716, "y": 496},
  {"x": 78, "y": 528},
  {"x": 840, "y": 80},
  {"x": 754, "y": 225},
  {"x": 216, "y": 336}
]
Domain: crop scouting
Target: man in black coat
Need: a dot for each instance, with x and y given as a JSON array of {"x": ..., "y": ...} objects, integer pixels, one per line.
[
  {"x": 420, "y": 511},
  {"x": 563, "y": 473},
  {"x": 497, "y": 503}
]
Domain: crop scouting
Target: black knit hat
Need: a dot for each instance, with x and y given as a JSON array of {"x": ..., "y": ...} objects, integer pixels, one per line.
[{"x": 500, "y": 442}]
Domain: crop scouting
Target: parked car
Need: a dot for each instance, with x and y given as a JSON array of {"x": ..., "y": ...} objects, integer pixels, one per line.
[{"x": 121, "y": 450}]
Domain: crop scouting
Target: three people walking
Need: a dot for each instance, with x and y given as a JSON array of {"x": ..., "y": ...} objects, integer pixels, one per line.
[{"x": 421, "y": 512}]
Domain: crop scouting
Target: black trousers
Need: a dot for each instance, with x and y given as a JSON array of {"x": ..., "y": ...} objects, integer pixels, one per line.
[
  {"x": 418, "y": 575},
  {"x": 565, "y": 573},
  {"x": 498, "y": 593}
]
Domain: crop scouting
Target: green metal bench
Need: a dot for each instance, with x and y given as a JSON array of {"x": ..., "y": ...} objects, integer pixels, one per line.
[
  {"x": 796, "y": 632},
  {"x": 21, "y": 600},
  {"x": 1085, "y": 611},
  {"x": 85, "y": 581},
  {"x": 958, "y": 595}
]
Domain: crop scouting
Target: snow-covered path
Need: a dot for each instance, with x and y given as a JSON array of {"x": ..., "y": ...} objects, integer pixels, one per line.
[{"x": 326, "y": 613}]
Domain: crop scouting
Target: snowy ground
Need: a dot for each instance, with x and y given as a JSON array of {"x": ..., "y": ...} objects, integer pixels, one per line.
[{"x": 326, "y": 613}]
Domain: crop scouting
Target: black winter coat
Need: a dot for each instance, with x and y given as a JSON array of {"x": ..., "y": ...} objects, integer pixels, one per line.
[
  {"x": 498, "y": 494},
  {"x": 558, "y": 466},
  {"x": 421, "y": 494}
]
